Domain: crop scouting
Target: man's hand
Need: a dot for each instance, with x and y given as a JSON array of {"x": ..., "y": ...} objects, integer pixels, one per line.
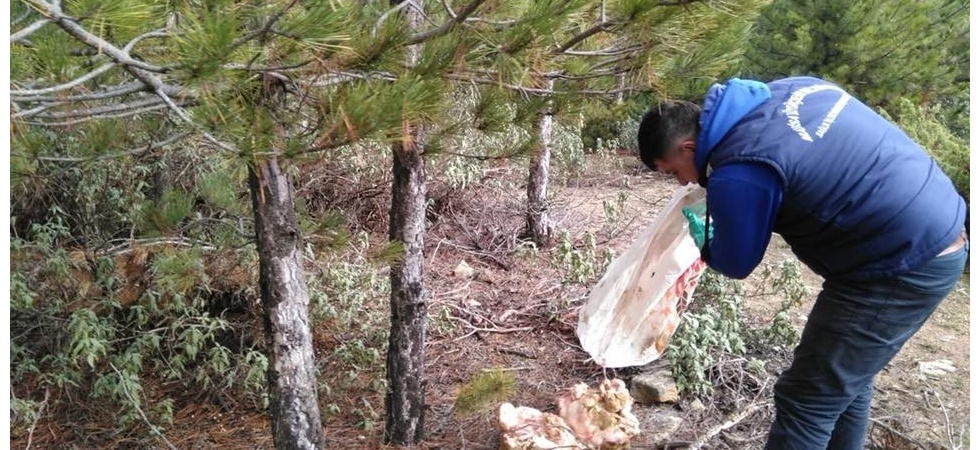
[{"x": 696, "y": 227}]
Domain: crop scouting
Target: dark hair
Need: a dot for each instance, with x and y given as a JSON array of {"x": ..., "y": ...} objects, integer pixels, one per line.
[{"x": 663, "y": 125}]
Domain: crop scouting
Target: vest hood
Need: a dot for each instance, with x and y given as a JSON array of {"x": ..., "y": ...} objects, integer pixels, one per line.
[{"x": 724, "y": 105}]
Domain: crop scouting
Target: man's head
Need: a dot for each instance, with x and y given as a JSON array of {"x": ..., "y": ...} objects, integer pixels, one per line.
[{"x": 667, "y": 136}]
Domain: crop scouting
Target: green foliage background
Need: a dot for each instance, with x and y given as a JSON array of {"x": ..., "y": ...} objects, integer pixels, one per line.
[{"x": 909, "y": 59}]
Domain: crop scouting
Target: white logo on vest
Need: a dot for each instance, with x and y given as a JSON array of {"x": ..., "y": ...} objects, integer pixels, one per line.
[{"x": 792, "y": 110}]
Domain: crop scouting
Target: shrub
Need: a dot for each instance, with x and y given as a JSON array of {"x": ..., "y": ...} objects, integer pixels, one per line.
[
  {"x": 713, "y": 329},
  {"x": 599, "y": 129}
]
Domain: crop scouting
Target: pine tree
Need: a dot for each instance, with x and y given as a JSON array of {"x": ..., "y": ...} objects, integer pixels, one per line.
[
  {"x": 881, "y": 50},
  {"x": 405, "y": 397},
  {"x": 224, "y": 74},
  {"x": 892, "y": 54}
]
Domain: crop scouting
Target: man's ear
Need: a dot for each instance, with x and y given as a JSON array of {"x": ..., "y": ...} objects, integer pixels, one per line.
[{"x": 687, "y": 146}]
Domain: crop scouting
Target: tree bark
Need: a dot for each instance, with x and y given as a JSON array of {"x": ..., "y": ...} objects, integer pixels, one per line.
[
  {"x": 539, "y": 226},
  {"x": 405, "y": 399},
  {"x": 294, "y": 409}
]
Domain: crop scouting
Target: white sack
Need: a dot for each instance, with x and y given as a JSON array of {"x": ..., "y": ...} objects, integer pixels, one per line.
[{"x": 636, "y": 306}]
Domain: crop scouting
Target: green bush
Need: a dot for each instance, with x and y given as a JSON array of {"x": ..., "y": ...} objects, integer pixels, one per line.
[
  {"x": 628, "y": 130},
  {"x": 713, "y": 328},
  {"x": 118, "y": 277},
  {"x": 599, "y": 129}
]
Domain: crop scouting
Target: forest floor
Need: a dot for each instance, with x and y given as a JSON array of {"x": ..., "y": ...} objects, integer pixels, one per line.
[{"x": 515, "y": 313}]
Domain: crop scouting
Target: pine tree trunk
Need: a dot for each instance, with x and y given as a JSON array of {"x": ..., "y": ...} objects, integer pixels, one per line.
[
  {"x": 292, "y": 373},
  {"x": 294, "y": 408},
  {"x": 405, "y": 399},
  {"x": 539, "y": 225}
]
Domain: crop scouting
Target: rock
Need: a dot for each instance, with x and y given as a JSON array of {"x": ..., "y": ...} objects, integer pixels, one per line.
[
  {"x": 696, "y": 405},
  {"x": 937, "y": 368},
  {"x": 654, "y": 387},
  {"x": 463, "y": 271},
  {"x": 486, "y": 276},
  {"x": 661, "y": 427}
]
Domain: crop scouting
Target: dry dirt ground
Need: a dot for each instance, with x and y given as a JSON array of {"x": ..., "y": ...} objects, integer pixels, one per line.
[
  {"x": 517, "y": 320},
  {"x": 516, "y": 314}
]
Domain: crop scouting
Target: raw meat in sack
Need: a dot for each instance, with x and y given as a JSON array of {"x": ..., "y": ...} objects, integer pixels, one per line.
[{"x": 634, "y": 309}]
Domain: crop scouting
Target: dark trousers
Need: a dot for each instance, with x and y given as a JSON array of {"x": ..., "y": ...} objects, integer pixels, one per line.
[{"x": 822, "y": 401}]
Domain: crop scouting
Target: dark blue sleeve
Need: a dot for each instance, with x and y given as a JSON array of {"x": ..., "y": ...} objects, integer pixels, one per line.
[{"x": 743, "y": 200}]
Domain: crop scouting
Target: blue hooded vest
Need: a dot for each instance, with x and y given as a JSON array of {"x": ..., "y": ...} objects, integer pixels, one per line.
[{"x": 861, "y": 200}]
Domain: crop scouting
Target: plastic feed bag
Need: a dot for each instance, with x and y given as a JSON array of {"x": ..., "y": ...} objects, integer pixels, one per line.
[{"x": 635, "y": 308}]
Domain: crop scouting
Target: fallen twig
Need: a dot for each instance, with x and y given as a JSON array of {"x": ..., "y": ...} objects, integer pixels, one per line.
[
  {"x": 954, "y": 442},
  {"x": 895, "y": 432},
  {"x": 726, "y": 425},
  {"x": 505, "y": 369},
  {"x": 40, "y": 411},
  {"x": 474, "y": 330},
  {"x": 509, "y": 351}
]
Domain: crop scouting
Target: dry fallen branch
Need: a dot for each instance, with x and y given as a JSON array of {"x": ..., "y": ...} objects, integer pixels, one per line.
[
  {"x": 474, "y": 330},
  {"x": 952, "y": 439},
  {"x": 40, "y": 412},
  {"x": 732, "y": 421},
  {"x": 891, "y": 433}
]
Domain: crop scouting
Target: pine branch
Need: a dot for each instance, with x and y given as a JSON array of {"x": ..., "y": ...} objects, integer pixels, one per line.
[
  {"x": 29, "y": 112},
  {"x": 140, "y": 70},
  {"x": 114, "y": 115},
  {"x": 26, "y": 31},
  {"x": 23, "y": 17},
  {"x": 54, "y": 13},
  {"x": 592, "y": 75},
  {"x": 610, "y": 24},
  {"x": 339, "y": 77},
  {"x": 677, "y": 2},
  {"x": 611, "y": 61},
  {"x": 455, "y": 19},
  {"x": 102, "y": 110},
  {"x": 26, "y": 94},
  {"x": 575, "y": 40},
  {"x": 541, "y": 92},
  {"x": 131, "y": 87},
  {"x": 608, "y": 51},
  {"x": 381, "y": 20},
  {"x": 262, "y": 31},
  {"x": 248, "y": 68}
]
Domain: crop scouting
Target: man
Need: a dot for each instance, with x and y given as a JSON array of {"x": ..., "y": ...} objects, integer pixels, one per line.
[{"x": 857, "y": 201}]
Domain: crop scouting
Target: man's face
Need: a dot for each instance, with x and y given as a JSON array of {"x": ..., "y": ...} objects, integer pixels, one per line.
[{"x": 679, "y": 162}]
